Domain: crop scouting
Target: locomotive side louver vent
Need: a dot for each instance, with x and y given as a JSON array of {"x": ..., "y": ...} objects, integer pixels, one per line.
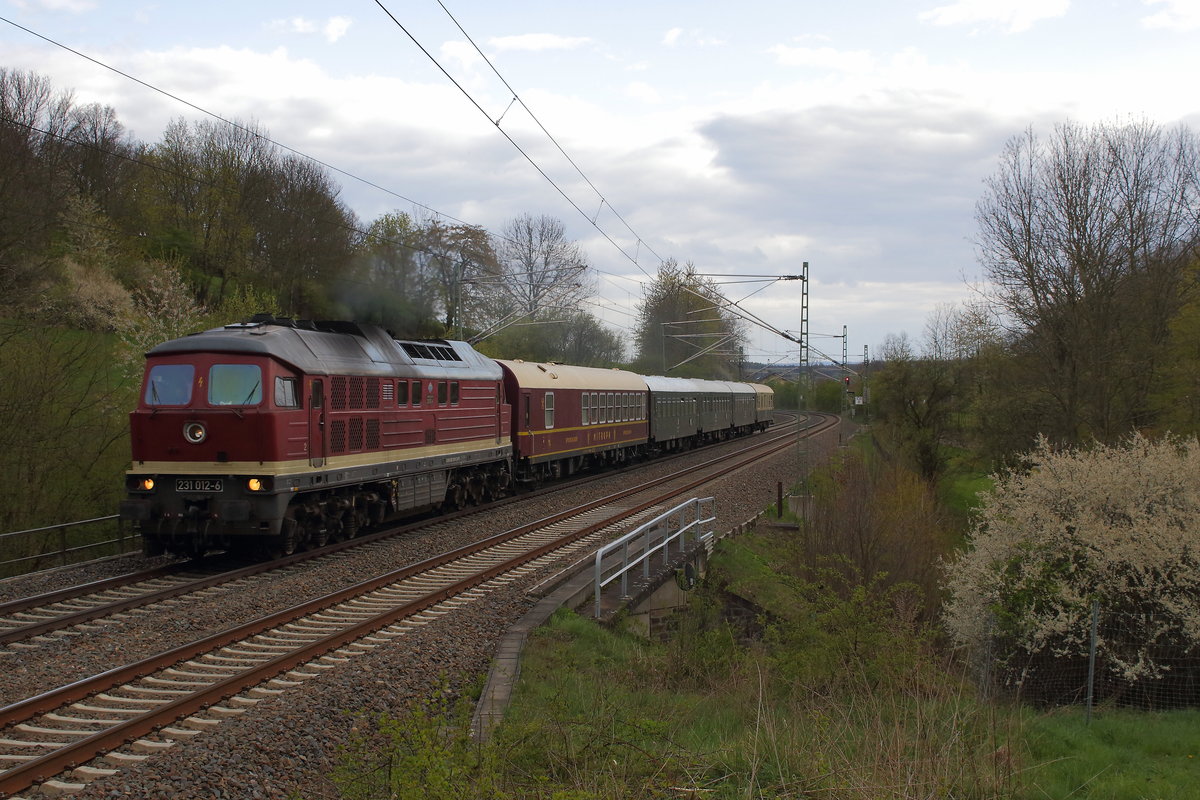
[
  {"x": 356, "y": 433},
  {"x": 373, "y": 392},
  {"x": 337, "y": 436},
  {"x": 373, "y": 434},
  {"x": 337, "y": 393},
  {"x": 357, "y": 390}
]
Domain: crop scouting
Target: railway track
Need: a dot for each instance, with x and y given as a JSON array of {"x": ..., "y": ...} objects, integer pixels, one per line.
[
  {"x": 26, "y": 620},
  {"x": 133, "y": 711}
]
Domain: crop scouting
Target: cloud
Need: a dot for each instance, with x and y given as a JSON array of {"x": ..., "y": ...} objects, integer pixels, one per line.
[
  {"x": 336, "y": 27},
  {"x": 1179, "y": 15},
  {"x": 295, "y": 25},
  {"x": 1017, "y": 15},
  {"x": 538, "y": 41},
  {"x": 639, "y": 90},
  {"x": 333, "y": 29},
  {"x": 857, "y": 61},
  {"x": 672, "y": 38},
  {"x": 466, "y": 56}
]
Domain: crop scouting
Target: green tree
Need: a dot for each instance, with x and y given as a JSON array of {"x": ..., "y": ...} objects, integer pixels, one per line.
[
  {"x": 683, "y": 328},
  {"x": 913, "y": 400},
  {"x": 389, "y": 285},
  {"x": 570, "y": 338}
]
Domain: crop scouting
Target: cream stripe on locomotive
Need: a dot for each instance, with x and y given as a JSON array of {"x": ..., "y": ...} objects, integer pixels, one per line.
[{"x": 303, "y": 466}]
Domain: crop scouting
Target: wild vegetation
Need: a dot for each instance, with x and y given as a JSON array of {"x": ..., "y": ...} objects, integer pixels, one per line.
[
  {"x": 833, "y": 686},
  {"x": 1085, "y": 327}
]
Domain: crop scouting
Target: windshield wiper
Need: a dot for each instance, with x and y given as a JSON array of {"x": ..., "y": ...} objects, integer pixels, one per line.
[{"x": 253, "y": 389}]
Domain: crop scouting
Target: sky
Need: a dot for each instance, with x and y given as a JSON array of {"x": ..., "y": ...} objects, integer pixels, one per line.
[{"x": 745, "y": 137}]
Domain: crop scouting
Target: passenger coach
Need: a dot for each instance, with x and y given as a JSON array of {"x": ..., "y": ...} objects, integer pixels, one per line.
[{"x": 567, "y": 418}]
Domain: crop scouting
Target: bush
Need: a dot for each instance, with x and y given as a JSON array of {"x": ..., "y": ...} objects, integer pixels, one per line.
[{"x": 1113, "y": 524}]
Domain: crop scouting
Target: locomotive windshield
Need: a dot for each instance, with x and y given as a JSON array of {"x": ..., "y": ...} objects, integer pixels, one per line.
[
  {"x": 170, "y": 385},
  {"x": 234, "y": 385}
]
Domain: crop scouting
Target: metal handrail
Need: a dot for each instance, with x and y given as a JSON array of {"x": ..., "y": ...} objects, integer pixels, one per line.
[
  {"x": 649, "y": 545},
  {"x": 63, "y": 551}
]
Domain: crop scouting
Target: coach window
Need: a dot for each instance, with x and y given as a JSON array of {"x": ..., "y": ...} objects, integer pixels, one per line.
[
  {"x": 402, "y": 393},
  {"x": 453, "y": 393},
  {"x": 526, "y": 404},
  {"x": 549, "y": 410},
  {"x": 585, "y": 400},
  {"x": 285, "y": 393},
  {"x": 170, "y": 385},
  {"x": 235, "y": 385},
  {"x": 416, "y": 393}
]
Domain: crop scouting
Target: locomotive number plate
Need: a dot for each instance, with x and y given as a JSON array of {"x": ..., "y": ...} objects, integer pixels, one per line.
[{"x": 197, "y": 485}]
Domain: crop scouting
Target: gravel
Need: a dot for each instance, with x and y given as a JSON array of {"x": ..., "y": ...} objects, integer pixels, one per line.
[{"x": 289, "y": 743}]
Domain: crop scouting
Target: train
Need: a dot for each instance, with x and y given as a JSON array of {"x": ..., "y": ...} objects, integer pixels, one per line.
[{"x": 278, "y": 434}]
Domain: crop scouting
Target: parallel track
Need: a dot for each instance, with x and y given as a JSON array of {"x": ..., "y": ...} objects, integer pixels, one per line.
[
  {"x": 182, "y": 692},
  {"x": 45, "y": 615}
]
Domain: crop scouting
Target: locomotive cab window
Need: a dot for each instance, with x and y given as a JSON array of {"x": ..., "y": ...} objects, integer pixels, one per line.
[
  {"x": 285, "y": 393},
  {"x": 416, "y": 393},
  {"x": 170, "y": 385},
  {"x": 235, "y": 385},
  {"x": 453, "y": 393},
  {"x": 441, "y": 390},
  {"x": 402, "y": 393}
]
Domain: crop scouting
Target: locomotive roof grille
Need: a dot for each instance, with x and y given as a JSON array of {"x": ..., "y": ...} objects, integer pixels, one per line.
[{"x": 433, "y": 352}]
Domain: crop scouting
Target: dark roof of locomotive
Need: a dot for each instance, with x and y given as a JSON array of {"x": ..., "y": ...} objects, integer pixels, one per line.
[{"x": 339, "y": 348}]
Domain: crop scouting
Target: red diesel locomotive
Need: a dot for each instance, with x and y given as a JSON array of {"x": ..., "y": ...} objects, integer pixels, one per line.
[{"x": 287, "y": 434}]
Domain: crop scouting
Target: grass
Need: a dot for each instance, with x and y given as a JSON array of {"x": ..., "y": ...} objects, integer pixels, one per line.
[
  {"x": 961, "y": 483},
  {"x": 1120, "y": 755}
]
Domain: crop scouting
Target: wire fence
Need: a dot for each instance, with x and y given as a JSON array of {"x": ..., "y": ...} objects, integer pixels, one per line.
[
  {"x": 1118, "y": 659},
  {"x": 36, "y": 549}
]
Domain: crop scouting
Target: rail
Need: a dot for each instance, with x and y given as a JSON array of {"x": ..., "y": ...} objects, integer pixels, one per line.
[
  {"x": 36, "y": 548},
  {"x": 674, "y": 525}
]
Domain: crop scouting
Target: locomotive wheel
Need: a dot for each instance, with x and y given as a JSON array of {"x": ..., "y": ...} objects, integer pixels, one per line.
[
  {"x": 320, "y": 534},
  {"x": 456, "y": 497},
  {"x": 285, "y": 543}
]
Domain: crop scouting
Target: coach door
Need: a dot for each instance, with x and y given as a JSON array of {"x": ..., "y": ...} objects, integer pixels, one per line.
[{"x": 316, "y": 424}]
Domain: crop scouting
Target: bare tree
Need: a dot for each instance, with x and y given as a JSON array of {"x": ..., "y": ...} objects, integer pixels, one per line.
[
  {"x": 1084, "y": 238},
  {"x": 542, "y": 268},
  {"x": 34, "y": 180}
]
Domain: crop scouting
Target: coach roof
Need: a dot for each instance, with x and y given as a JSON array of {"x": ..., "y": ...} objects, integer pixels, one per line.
[{"x": 534, "y": 375}]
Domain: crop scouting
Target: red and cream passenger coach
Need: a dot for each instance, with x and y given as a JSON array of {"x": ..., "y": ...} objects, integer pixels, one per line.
[{"x": 566, "y": 419}]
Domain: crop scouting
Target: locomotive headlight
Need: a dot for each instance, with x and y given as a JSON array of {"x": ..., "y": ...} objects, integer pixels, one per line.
[
  {"x": 146, "y": 484},
  {"x": 254, "y": 485},
  {"x": 195, "y": 432}
]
